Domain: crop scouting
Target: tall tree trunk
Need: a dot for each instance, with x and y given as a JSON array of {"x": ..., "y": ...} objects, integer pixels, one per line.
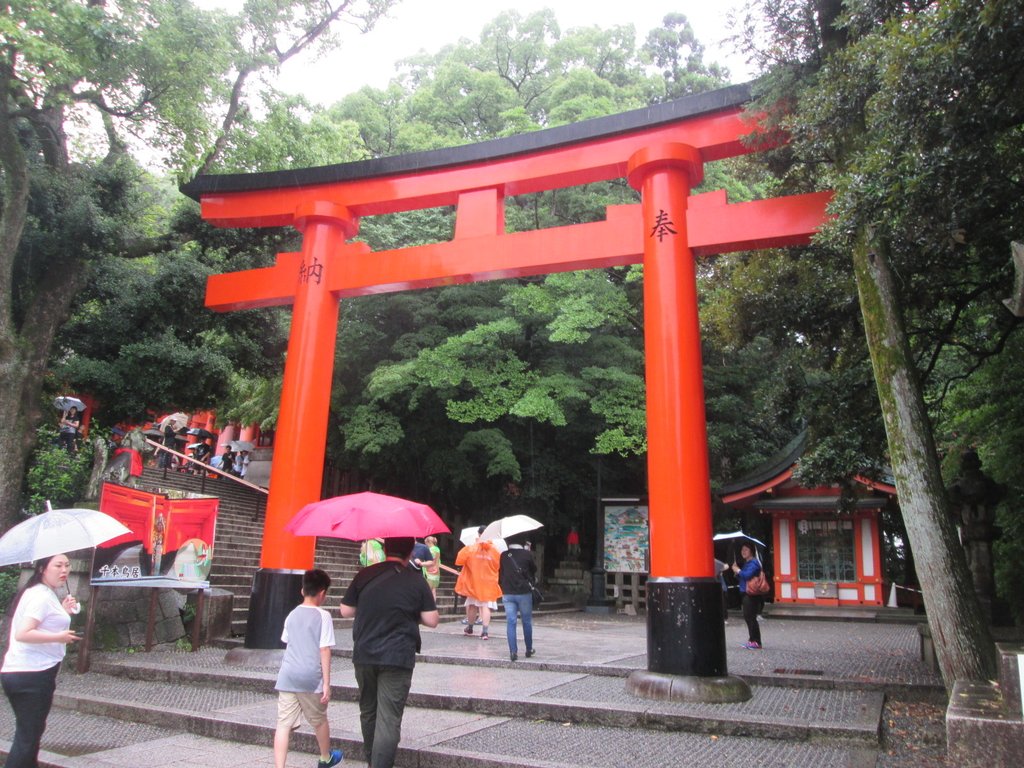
[
  {"x": 20, "y": 415},
  {"x": 15, "y": 424},
  {"x": 963, "y": 644}
]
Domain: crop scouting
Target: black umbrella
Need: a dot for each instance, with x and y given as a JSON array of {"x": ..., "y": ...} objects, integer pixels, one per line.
[
  {"x": 202, "y": 434},
  {"x": 727, "y": 545}
]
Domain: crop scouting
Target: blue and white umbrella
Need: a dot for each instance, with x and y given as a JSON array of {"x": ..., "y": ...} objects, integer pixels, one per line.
[{"x": 64, "y": 402}]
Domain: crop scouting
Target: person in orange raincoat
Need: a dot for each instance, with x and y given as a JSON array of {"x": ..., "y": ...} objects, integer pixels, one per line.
[{"x": 478, "y": 583}]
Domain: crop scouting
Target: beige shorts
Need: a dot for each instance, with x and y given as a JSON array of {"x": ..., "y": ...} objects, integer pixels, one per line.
[{"x": 292, "y": 706}]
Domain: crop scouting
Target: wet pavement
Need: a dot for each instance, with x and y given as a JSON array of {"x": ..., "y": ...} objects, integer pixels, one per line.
[{"x": 818, "y": 695}]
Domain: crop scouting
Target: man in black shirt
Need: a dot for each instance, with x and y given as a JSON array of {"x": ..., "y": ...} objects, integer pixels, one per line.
[{"x": 389, "y": 601}]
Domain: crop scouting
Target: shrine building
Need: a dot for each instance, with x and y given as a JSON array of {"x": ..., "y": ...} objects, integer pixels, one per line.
[{"x": 825, "y": 550}]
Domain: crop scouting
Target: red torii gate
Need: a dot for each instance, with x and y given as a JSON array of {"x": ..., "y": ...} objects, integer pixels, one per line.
[{"x": 661, "y": 151}]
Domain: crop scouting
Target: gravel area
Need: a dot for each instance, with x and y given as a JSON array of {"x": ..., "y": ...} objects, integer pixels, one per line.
[{"x": 913, "y": 735}]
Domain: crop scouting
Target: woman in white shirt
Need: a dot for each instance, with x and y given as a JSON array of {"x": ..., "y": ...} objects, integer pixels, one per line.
[{"x": 39, "y": 636}]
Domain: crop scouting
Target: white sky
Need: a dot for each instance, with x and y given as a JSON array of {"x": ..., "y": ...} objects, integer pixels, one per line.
[{"x": 417, "y": 25}]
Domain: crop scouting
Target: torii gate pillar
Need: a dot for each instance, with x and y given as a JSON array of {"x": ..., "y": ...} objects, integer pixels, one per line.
[
  {"x": 686, "y": 656},
  {"x": 296, "y": 474}
]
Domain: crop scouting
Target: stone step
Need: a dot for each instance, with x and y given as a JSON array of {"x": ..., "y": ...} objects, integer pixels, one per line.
[
  {"x": 817, "y": 698},
  {"x": 774, "y": 712},
  {"x": 567, "y": 707}
]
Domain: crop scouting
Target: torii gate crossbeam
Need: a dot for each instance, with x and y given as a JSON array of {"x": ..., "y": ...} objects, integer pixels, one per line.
[{"x": 661, "y": 151}]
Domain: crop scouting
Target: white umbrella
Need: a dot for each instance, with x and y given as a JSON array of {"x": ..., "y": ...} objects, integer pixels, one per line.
[
  {"x": 241, "y": 445},
  {"x": 510, "y": 526},
  {"x": 64, "y": 402},
  {"x": 176, "y": 420},
  {"x": 469, "y": 536},
  {"x": 57, "y": 531}
]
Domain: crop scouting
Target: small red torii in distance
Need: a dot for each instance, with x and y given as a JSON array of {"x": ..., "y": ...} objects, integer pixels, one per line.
[{"x": 660, "y": 150}]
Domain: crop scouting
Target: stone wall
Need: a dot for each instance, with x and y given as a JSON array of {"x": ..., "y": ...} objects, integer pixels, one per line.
[
  {"x": 123, "y": 612},
  {"x": 122, "y": 616}
]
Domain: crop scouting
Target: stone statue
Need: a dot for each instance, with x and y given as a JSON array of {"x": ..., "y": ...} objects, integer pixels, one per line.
[{"x": 974, "y": 497}]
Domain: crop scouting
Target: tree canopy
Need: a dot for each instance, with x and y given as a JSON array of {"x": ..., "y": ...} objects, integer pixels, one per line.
[{"x": 92, "y": 92}]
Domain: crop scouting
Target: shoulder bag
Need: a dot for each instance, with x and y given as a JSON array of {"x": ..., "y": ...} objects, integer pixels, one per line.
[
  {"x": 758, "y": 585},
  {"x": 538, "y": 596}
]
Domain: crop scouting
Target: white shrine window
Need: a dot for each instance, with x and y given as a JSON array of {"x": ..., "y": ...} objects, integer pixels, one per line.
[{"x": 824, "y": 550}]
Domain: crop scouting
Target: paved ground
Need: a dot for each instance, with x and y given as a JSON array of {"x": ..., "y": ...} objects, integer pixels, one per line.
[{"x": 818, "y": 691}]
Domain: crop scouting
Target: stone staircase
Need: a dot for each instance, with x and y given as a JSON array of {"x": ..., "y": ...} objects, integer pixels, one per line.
[{"x": 570, "y": 579}]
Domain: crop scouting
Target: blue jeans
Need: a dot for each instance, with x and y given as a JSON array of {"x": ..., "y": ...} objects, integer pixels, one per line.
[
  {"x": 31, "y": 695},
  {"x": 514, "y": 605},
  {"x": 382, "y": 694}
]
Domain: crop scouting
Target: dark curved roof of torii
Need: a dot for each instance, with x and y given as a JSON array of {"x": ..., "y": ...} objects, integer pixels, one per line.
[{"x": 549, "y": 138}]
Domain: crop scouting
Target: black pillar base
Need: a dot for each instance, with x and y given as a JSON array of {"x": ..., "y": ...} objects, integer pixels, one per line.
[
  {"x": 685, "y": 627},
  {"x": 686, "y": 645},
  {"x": 274, "y": 594}
]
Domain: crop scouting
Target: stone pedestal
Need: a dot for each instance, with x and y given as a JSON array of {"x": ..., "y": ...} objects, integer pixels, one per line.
[
  {"x": 708, "y": 690},
  {"x": 974, "y": 496},
  {"x": 215, "y": 623},
  {"x": 983, "y": 721},
  {"x": 571, "y": 580}
]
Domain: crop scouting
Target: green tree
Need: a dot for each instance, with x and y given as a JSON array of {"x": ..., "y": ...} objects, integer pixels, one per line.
[
  {"x": 912, "y": 113},
  {"x": 674, "y": 49},
  {"x": 158, "y": 74}
]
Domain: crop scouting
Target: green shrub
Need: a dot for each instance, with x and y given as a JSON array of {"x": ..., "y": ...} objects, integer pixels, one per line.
[
  {"x": 8, "y": 585},
  {"x": 55, "y": 475}
]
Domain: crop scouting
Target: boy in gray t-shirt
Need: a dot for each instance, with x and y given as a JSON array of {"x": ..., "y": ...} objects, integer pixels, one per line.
[{"x": 304, "y": 681}]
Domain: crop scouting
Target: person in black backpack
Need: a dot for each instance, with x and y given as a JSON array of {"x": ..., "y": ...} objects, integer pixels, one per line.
[{"x": 517, "y": 573}]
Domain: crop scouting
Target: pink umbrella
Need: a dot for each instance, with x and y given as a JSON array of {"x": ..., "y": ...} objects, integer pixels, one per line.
[{"x": 367, "y": 515}]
